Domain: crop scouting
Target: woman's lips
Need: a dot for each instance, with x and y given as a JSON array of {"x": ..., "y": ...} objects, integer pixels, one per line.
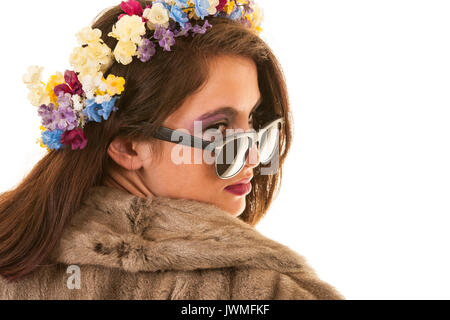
[{"x": 240, "y": 189}]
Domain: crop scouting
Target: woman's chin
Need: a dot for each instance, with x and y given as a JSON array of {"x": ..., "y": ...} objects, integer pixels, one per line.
[{"x": 234, "y": 205}]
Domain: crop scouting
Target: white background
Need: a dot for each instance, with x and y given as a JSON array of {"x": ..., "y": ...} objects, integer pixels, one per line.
[{"x": 365, "y": 196}]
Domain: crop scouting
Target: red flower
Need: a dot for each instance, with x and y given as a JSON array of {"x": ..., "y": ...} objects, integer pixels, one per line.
[
  {"x": 76, "y": 138},
  {"x": 221, "y": 5},
  {"x": 133, "y": 7},
  {"x": 72, "y": 85}
]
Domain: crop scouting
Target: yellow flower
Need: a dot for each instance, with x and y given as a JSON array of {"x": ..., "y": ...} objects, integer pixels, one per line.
[
  {"x": 54, "y": 81},
  {"x": 99, "y": 92},
  {"x": 78, "y": 58},
  {"x": 91, "y": 59},
  {"x": 129, "y": 29},
  {"x": 229, "y": 7},
  {"x": 88, "y": 35},
  {"x": 41, "y": 143},
  {"x": 191, "y": 11},
  {"x": 124, "y": 52},
  {"x": 115, "y": 85},
  {"x": 98, "y": 53}
]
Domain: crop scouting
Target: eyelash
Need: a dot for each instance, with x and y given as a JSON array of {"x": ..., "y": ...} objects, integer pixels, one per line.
[{"x": 223, "y": 123}]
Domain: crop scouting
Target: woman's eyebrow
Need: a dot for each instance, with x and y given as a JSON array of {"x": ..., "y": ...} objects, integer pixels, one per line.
[{"x": 226, "y": 111}]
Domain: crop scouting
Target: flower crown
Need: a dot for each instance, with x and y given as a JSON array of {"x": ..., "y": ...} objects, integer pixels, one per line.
[{"x": 67, "y": 102}]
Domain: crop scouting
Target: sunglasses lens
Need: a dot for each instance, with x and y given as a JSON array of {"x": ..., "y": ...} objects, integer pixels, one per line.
[
  {"x": 268, "y": 144},
  {"x": 231, "y": 159}
]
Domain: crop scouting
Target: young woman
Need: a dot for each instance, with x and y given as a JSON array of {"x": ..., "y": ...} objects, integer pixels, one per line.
[{"x": 176, "y": 154}]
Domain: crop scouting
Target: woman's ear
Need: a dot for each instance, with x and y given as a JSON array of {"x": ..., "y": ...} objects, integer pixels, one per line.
[{"x": 128, "y": 154}]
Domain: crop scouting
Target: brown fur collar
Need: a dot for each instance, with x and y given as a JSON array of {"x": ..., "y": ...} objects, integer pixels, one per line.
[{"x": 116, "y": 229}]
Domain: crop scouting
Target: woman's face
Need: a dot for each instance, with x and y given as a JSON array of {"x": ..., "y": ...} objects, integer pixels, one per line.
[{"x": 233, "y": 83}]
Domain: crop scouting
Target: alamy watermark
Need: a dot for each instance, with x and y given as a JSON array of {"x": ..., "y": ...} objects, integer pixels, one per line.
[
  {"x": 74, "y": 280},
  {"x": 234, "y": 145}
]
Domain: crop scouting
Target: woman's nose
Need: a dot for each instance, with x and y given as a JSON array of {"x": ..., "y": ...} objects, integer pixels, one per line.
[{"x": 253, "y": 156}]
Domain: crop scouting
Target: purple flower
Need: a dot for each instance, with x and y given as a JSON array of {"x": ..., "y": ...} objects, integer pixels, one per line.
[
  {"x": 146, "y": 50},
  {"x": 248, "y": 8},
  {"x": 64, "y": 100},
  {"x": 65, "y": 119},
  {"x": 165, "y": 37},
  {"x": 159, "y": 33},
  {"x": 201, "y": 30},
  {"x": 47, "y": 115},
  {"x": 184, "y": 31},
  {"x": 61, "y": 119}
]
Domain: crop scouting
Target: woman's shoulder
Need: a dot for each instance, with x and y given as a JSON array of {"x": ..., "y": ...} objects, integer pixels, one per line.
[
  {"x": 91, "y": 282},
  {"x": 118, "y": 245}
]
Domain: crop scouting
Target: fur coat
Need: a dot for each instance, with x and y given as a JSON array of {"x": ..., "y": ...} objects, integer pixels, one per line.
[{"x": 119, "y": 246}]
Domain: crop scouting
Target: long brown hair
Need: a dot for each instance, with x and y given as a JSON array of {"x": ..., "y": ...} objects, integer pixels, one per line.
[{"x": 34, "y": 213}]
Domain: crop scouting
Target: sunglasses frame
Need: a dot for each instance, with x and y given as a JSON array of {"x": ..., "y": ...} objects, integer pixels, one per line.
[{"x": 189, "y": 140}]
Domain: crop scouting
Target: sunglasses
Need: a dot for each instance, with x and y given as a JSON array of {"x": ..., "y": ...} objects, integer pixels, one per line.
[{"x": 231, "y": 152}]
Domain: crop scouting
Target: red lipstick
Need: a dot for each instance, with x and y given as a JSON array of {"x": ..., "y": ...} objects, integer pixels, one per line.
[{"x": 240, "y": 188}]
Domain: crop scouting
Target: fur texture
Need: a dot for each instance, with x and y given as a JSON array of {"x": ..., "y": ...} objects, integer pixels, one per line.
[{"x": 133, "y": 248}]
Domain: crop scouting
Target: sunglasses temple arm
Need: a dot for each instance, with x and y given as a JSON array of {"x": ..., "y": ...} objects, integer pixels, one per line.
[{"x": 185, "y": 139}]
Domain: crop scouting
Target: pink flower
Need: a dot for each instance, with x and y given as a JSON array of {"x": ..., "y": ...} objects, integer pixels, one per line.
[
  {"x": 221, "y": 5},
  {"x": 72, "y": 85},
  {"x": 76, "y": 138},
  {"x": 133, "y": 7}
]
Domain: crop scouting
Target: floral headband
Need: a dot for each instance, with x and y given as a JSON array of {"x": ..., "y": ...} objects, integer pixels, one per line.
[{"x": 67, "y": 102}]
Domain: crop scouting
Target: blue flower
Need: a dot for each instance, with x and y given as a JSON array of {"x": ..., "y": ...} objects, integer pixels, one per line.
[
  {"x": 201, "y": 8},
  {"x": 166, "y": 5},
  {"x": 179, "y": 16},
  {"x": 237, "y": 13},
  {"x": 52, "y": 139},
  {"x": 107, "y": 108},
  {"x": 95, "y": 111},
  {"x": 92, "y": 111},
  {"x": 181, "y": 3}
]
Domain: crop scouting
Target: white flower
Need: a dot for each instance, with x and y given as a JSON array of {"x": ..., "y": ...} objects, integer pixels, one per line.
[
  {"x": 33, "y": 76},
  {"x": 92, "y": 83},
  {"x": 38, "y": 95},
  {"x": 213, "y": 6},
  {"x": 82, "y": 118},
  {"x": 101, "y": 99},
  {"x": 78, "y": 103},
  {"x": 129, "y": 28},
  {"x": 157, "y": 15},
  {"x": 88, "y": 35}
]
